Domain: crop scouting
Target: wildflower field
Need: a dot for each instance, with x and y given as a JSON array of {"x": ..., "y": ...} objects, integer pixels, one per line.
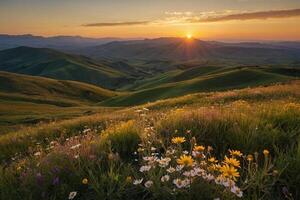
[{"x": 239, "y": 144}]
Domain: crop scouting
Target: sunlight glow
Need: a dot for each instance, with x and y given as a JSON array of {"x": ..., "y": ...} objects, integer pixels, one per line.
[{"x": 189, "y": 36}]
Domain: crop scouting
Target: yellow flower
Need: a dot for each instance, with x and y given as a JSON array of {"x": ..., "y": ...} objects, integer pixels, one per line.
[
  {"x": 185, "y": 160},
  {"x": 232, "y": 161},
  {"x": 235, "y": 153},
  {"x": 178, "y": 140},
  {"x": 214, "y": 167},
  {"x": 266, "y": 152},
  {"x": 275, "y": 172},
  {"x": 128, "y": 179},
  {"x": 19, "y": 168},
  {"x": 213, "y": 160},
  {"x": 85, "y": 181},
  {"x": 250, "y": 158},
  {"x": 229, "y": 172},
  {"x": 199, "y": 148}
]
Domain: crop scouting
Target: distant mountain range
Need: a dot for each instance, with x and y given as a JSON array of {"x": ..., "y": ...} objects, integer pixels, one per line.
[
  {"x": 183, "y": 50},
  {"x": 67, "y": 43}
]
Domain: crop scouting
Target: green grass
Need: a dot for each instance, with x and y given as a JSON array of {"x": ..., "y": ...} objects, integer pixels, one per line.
[
  {"x": 228, "y": 80},
  {"x": 26, "y": 100},
  {"x": 249, "y": 120},
  {"x": 58, "y": 65}
]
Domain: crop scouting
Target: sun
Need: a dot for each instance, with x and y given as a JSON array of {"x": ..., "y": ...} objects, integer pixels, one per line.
[{"x": 189, "y": 36}]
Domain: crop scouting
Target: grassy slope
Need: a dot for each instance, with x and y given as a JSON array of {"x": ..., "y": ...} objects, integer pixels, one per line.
[
  {"x": 30, "y": 99},
  {"x": 58, "y": 65},
  {"x": 267, "y": 117},
  {"x": 225, "y": 80}
]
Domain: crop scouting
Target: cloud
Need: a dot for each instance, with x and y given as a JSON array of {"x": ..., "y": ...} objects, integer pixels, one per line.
[
  {"x": 248, "y": 16},
  {"x": 130, "y": 23},
  {"x": 177, "y": 18}
]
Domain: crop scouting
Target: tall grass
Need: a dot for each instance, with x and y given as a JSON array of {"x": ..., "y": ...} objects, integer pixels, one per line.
[{"x": 96, "y": 155}]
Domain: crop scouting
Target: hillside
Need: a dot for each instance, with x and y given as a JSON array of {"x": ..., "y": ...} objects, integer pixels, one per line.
[
  {"x": 30, "y": 99},
  {"x": 256, "y": 128},
  {"x": 45, "y": 88},
  {"x": 218, "y": 80},
  {"x": 54, "y": 64}
]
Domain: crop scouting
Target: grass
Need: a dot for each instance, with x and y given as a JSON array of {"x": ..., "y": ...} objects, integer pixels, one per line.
[
  {"x": 228, "y": 80},
  {"x": 51, "y": 160},
  {"x": 27, "y": 100},
  {"x": 54, "y": 64}
]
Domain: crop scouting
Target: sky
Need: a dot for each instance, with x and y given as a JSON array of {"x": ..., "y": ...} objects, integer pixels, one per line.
[{"x": 204, "y": 19}]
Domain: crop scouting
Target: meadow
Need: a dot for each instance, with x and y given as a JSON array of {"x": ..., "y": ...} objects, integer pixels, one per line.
[{"x": 228, "y": 145}]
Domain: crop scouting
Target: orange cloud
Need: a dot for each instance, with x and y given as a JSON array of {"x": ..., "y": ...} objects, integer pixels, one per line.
[
  {"x": 252, "y": 15},
  {"x": 117, "y": 23},
  {"x": 174, "y": 18}
]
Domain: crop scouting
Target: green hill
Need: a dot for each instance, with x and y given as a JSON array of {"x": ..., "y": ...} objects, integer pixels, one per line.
[
  {"x": 45, "y": 90},
  {"x": 54, "y": 64},
  {"x": 225, "y": 79},
  {"x": 30, "y": 99}
]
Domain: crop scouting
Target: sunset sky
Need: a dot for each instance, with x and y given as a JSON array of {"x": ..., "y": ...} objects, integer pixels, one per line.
[{"x": 209, "y": 20}]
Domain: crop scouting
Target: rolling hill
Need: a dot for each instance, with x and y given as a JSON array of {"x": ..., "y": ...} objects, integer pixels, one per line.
[
  {"x": 54, "y": 64},
  {"x": 27, "y": 100},
  {"x": 17, "y": 87},
  {"x": 218, "y": 80}
]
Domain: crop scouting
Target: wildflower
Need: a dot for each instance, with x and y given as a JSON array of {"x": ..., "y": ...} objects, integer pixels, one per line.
[
  {"x": 185, "y": 160},
  {"x": 232, "y": 161},
  {"x": 72, "y": 195},
  {"x": 178, "y": 140},
  {"x": 164, "y": 162},
  {"x": 266, "y": 152},
  {"x": 37, "y": 154},
  {"x": 165, "y": 178},
  {"x": 210, "y": 177},
  {"x": 214, "y": 167},
  {"x": 128, "y": 179},
  {"x": 275, "y": 172},
  {"x": 229, "y": 172},
  {"x": 235, "y": 153},
  {"x": 85, "y": 181},
  {"x": 137, "y": 181},
  {"x": 250, "y": 158},
  {"x": 150, "y": 159},
  {"x": 170, "y": 152},
  {"x": 19, "y": 168},
  {"x": 140, "y": 149},
  {"x": 197, "y": 154},
  {"x": 199, "y": 148},
  {"x": 75, "y": 146},
  {"x": 237, "y": 191},
  {"x": 185, "y": 152},
  {"x": 212, "y": 160},
  {"x": 153, "y": 149},
  {"x": 179, "y": 167},
  {"x": 171, "y": 170},
  {"x": 181, "y": 183},
  {"x": 148, "y": 184},
  {"x": 209, "y": 148},
  {"x": 55, "y": 181},
  {"x": 145, "y": 168}
]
